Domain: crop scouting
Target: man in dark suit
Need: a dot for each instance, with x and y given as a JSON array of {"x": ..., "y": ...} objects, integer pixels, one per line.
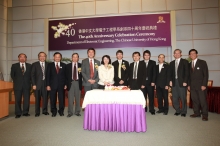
[
  {"x": 150, "y": 67},
  {"x": 90, "y": 71},
  {"x": 38, "y": 78},
  {"x": 74, "y": 84},
  {"x": 137, "y": 73},
  {"x": 121, "y": 68},
  {"x": 21, "y": 76},
  {"x": 179, "y": 75},
  {"x": 198, "y": 80},
  {"x": 162, "y": 84},
  {"x": 56, "y": 80}
]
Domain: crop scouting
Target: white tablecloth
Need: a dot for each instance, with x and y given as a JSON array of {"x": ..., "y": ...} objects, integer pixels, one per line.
[{"x": 114, "y": 97}]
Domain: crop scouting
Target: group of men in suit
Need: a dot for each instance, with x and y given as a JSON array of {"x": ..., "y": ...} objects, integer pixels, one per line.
[
  {"x": 143, "y": 75},
  {"x": 47, "y": 79}
]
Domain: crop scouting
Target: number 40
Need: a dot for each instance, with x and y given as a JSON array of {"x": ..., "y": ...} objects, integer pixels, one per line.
[{"x": 70, "y": 32}]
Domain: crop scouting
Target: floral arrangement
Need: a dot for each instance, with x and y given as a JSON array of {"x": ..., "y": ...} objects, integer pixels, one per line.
[
  {"x": 61, "y": 29},
  {"x": 123, "y": 66},
  {"x": 96, "y": 66},
  {"x": 79, "y": 70},
  {"x": 109, "y": 66}
]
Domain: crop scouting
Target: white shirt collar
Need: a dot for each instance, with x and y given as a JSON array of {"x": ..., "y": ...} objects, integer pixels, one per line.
[
  {"x": 120, "y": 61},
  {"x": 22, "y": 63},
  {"x": 146, "y": 61},
  {"x": 161, "y": 64},
  {"x": 75, "y": 63},
  {"x": 178, "y": 59},
  {"x": 194, "y": 61},
  {"x": 56, "y": 63},
  {"x": 42, "y": 62}
]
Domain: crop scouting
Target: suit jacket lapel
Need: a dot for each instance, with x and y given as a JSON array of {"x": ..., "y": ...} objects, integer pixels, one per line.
[
  {"x": 46, "y": 64},
  {"x": 158, "y": 69},
  {"x": 149, "y": 63},
  {"x": 18, "y": 65},
  {"x": 79, "y": 66},
  {"x": 117, "y": 64},
  {"x": 180, "y": 63},
  {"x": 132, "y": 68},
  {"x": 94, "y": 69},
  {"x": 25, "y": 68},
  {"x": 139, "y": 67},
  {"x": 162, "y": 68},
  {"x": 39, "y": 67},
  {"x": 54, "y": 67}
]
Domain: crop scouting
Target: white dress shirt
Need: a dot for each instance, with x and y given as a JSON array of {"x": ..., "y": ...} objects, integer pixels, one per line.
[
  {"x": 160, "y": 67},
  {"x": 24, "y": 66},
  {"x": 73, "y": 63},
  {"x": 178, "y": 61},
  {"x": 43, "y": 71},
  {"x": 119, "y": 61},
  {"x": 56, "y": 64},
  {"x": 134, "y": 68},
  {"x": 92, "y": 63},
  {"x": 194, "y": 61},
  {"x": 42, "y": 63},
  {"x": 146, "y": 62},
  {"x": 106, "y": 75}
]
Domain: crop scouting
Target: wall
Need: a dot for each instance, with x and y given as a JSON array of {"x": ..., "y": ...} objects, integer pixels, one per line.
[
  {"x": 3, "y": 37},
  {"x": 197, "y": 26}
]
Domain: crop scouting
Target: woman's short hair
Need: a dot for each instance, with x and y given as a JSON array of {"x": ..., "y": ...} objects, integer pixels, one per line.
[{"x": 107, "y": 56}]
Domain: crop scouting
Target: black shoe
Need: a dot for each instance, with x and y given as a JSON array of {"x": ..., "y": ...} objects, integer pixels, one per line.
[
  {"x": 195, "y": 115},
  {"x": 165, "y": 113},
  {"x": 69, "y": 115},
  {"x": 205, "y": 118},
  {"x": 26, "y": 115},
  {"x": 37, "y": 115},
  {"x": 145, "y": 109},
  {"x": 159, "y": 112},
  {"x": 61, "y": 114},
  {"x": 17, "y": 116},
  {"x": 183, "y": 115},
  {"x": 46, "y": 113},
  {"x": 78, "y": 114},
  {"x": 152, "y": 113},
  {"x": 177, "y": 114},
  {"x": 54, "y": 115}
]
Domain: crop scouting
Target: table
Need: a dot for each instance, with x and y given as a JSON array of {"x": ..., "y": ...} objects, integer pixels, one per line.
[
  {"x": 213, "y": 99},
  {"x": 5, "y": 88},
  {"x": 121, "y": 111}
]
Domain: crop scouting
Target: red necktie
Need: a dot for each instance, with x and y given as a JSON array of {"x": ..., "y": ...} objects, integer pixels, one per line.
[
  {"x": 57, "y": 68},
  {"x": 91, "y": 69},
  {"x": 74, "y": 72}
]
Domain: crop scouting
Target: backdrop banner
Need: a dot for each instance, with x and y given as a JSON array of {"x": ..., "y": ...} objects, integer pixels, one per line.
[{"x": 146, "y": 30}]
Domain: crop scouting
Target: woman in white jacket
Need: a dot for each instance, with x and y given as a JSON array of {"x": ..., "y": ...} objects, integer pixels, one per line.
[{"x": 106, "y": 72}]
